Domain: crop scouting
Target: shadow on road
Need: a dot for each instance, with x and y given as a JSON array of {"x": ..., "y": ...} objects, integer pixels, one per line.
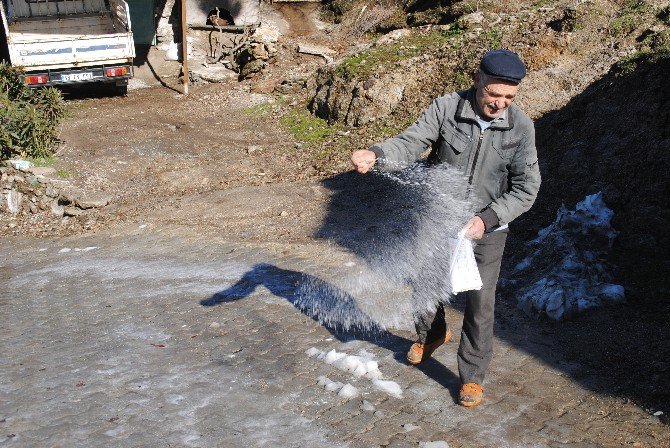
[{"x": 331, "y": 301}]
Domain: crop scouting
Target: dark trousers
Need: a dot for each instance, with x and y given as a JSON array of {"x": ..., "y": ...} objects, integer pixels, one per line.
[{"x": 474, "y": 351}]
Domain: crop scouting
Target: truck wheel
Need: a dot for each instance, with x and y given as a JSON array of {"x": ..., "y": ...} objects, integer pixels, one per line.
[{"x": 121, "y": 90}]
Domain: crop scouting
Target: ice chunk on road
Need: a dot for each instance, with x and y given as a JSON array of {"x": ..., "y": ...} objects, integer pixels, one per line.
[
  {"x": 374, "y": 374},
  {"x": 334, "y": 386},
  {"x": 333, "y": 356},
  {"x": 313, "y": 352},
  {"x": 438, "y": 444},
  {"x": 390, "y": 387},
  {"x": 367, "y": 406},
  {"x": 348, "y": 391}
]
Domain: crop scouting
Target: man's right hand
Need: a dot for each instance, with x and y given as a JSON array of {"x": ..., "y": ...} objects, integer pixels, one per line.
[{"x": 363, "y": 160}]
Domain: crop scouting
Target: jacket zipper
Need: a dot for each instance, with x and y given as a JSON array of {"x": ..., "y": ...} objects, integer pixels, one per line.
[{"x": 474, "y": 161}]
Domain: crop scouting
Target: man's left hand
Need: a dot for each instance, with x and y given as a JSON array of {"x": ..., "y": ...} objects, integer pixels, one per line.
[{"x": 474, "y": 229}]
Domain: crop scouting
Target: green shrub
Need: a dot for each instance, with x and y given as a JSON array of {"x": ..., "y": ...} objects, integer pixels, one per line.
[
  {"x": 29, "y": 118},
  {"x": 305, "y": 127}
]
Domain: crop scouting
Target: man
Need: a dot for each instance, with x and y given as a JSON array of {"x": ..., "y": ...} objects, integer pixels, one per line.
[{"x": 481, "y": 132}]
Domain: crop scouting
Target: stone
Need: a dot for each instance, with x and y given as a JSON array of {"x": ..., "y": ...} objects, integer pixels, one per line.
[
  {"x": 393, "y": 36},
  {"x": 317, "y": 50},
  {"x": 472, "y": 20},
  {"x": 252, "y": 68},
  {"x": 43, "y": 171},
  {"x": 57, "y": 209},
  {"x": 51, "y": 191},
  {"x": 21, "y": 165},
  {"x": 258, "y": 51},
  {"x": 69, "y": 195},
  {"x": 72, "y": 211},
  {"x": 266, "y": 35},
  {"x": 93, "y": 200},
  {"x": 13, "y": 198}
]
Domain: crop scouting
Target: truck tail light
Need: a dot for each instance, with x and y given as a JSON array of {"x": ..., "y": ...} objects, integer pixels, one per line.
[
  {"x": 116, "y": 71},
  {"x": 36, "y": 79}
]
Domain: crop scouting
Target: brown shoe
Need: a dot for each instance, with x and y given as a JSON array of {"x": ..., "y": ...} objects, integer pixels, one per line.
[
  {"x": 419, "y": 352},
  {"x": 471, "y": 394}
]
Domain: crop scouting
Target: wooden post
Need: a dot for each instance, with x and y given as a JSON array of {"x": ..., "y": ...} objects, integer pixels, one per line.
[{"x": 184, "y": 47}]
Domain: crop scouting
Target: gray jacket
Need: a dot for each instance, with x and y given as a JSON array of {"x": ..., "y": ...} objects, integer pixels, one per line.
[{"x": 500, "y": 163}]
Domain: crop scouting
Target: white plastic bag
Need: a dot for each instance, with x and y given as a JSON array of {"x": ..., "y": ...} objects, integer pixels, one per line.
[{"x": 464, "y": 274}]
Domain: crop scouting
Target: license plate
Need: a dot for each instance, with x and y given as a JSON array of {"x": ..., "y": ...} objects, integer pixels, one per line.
[{"x": 76, "y": 77}]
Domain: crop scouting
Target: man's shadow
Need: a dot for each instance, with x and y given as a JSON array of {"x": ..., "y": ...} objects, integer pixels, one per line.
[{"x": 333, "y": 308}]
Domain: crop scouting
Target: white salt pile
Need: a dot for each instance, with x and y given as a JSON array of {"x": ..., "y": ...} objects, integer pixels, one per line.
[
  {"x": 358, "y": 366},
  {"x": 361, "y": 366}
]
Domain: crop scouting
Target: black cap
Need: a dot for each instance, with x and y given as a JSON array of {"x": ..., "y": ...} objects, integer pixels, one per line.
[{"x": 503, "y": 64}]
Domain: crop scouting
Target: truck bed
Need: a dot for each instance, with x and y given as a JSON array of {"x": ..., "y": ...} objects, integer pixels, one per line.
[{"x": 68, "y": 28}]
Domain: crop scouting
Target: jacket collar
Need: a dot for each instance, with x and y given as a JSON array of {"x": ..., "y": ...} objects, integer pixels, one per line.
[{"x": 466, "y": 112}]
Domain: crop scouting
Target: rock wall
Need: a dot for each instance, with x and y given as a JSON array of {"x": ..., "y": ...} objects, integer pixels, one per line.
[
  {"x": 357, "y": 102},
  {"x": 27, "y": 190}
]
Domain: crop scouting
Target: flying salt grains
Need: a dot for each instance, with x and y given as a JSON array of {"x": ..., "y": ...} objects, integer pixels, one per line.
[
  {"x": 390, "y": 387},
  {"x": 404, "y": 261}
]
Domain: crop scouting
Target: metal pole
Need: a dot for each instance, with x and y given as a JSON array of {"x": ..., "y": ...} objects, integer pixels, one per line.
[{"x": 184, "y": 47}]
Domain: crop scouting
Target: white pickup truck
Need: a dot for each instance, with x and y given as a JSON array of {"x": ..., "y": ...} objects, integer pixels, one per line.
[{"x": 60, "y": 42}]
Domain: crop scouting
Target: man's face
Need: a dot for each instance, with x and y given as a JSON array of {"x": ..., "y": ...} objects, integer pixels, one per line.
[{"x": 493, "y": 95}]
